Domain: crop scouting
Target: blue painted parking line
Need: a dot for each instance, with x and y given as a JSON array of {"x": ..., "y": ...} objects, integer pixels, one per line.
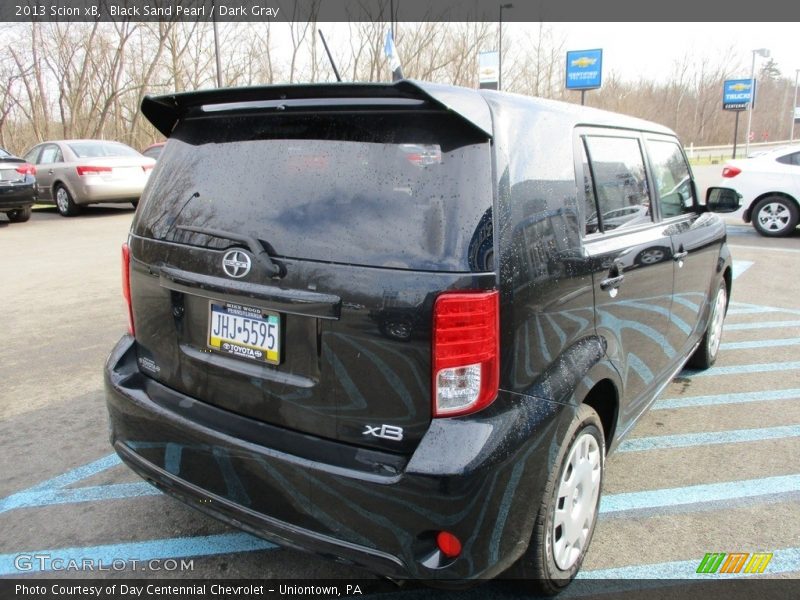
[
  {"x": 739, "y": 267},
  {"x": 54, "y": 490},
  {"x": 117, "y": 491},
  {"x": 784, "y": 560},
  {"x": 762, "y": 325},
  {"x": 79, "y": 473},
  {"x": 688, "y": 440},
  {"x": 736, "y": 398},
  {"x": 763, "y": 249},
  {"x": 760, "y": 344},
  {"x": 697, "y": 494},
  {"x": 742, "y": 308},
  {"x": 175, "y": 548},
  {"x": 742, "y": 369}
]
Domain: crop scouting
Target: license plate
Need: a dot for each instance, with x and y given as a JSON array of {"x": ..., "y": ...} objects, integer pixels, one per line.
[
  {"x": 244, "y": 331},
  {"x": 7, "y": 175}
]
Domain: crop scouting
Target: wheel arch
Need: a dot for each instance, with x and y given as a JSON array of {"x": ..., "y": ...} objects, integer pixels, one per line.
[
  {"x": 748, "y": 213},
  {"x": 603, "y": 397},
  {"x": 62, "y": 183}
]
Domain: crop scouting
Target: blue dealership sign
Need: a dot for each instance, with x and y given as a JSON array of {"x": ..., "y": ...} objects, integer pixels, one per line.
[
  {"x": 584, "y": 69},
  {"x": 737, "y": 94}
]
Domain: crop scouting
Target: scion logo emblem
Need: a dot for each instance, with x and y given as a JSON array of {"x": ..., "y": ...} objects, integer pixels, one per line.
[{"x": 236, "y": 263}]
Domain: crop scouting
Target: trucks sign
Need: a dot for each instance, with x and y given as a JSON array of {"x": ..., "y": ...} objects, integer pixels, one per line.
[{"x": 737, "y": 94}]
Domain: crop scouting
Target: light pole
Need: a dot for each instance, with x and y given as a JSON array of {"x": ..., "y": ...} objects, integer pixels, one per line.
[
  {"x": 763, "y": 52},
  {"x": 500, "y": 52},
  {"x": 794, "y": 104},
  {"x": 216, "y": 49}
]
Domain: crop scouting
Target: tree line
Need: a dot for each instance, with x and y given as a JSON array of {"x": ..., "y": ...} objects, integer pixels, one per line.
[{"x": 87, "y": 80}]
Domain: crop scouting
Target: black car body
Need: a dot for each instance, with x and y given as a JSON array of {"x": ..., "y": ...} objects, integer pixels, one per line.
[
  {"x": 17, "y": 187},
  {"x": 381, "y": 236}
]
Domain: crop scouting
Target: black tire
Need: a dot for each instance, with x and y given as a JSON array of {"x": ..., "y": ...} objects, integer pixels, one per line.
[
  {"x": 706, "y": 354},
  {"x": 64, "y": 203},
  {"x": 775, "y": 216},
  {"x": 539, "y": 570},
  {"x": 19, "y": 215}
]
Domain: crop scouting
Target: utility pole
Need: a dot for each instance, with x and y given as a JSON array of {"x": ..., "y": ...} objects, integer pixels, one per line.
[
  {"x": 500, "y": 52},
  {"x": 216, "y": 47},
  {"x": 763, "y": 52},
  {"x": 794, "y": 104}
]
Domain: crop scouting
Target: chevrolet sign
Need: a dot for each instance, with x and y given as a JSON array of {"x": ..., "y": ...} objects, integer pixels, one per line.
[{"x": 737, "y": 94}]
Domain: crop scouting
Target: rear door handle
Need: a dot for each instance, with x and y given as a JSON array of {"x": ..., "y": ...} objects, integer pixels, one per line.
[{"x": 680, "y": 255}]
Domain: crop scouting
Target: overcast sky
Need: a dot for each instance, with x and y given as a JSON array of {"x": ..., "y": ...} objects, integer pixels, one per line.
[{"x": 632, "y": 49}]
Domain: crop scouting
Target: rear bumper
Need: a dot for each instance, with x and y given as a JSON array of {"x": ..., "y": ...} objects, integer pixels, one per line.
[
  {"x": 478, "y": 478},
  {"x": 89, "y": 193},
  {"x": 13, "y": 197}
]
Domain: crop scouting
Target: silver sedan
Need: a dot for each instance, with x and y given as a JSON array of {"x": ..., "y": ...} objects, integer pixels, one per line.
[{"x": 73, "y": 173}]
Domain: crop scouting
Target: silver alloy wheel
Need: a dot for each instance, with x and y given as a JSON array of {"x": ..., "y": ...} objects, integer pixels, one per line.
[
  {"x": 62, "y": 200},
  {"x": 576, "y": 501},
  {"x": 717, "y": 320},
  {"x": 652, "y": 256},
  {"x": 774, "y": 217}
]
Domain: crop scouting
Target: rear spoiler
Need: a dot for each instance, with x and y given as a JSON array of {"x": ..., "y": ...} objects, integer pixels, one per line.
[{"x": 164, "y": 112}]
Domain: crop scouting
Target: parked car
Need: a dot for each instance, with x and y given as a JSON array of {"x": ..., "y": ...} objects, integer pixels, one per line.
[
  {"x": 74, "y": 173},
  {"x": 17, "y": 187},
  {"x": 154, "y": 150},
  {"x": 376, "y": 322},
  {"x": 770, "y": 187}
]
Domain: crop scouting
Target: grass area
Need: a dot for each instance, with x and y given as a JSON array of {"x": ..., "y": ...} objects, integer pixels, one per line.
[{"x": 709, "y": 160}]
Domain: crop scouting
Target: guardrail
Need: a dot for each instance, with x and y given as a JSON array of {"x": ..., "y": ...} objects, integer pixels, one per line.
[{"x": 719, "y": 154}]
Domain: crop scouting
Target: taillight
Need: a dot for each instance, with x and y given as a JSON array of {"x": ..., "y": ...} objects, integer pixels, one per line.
[
  {"x": 466, "y": 352},
  {"x": 26, "y": 169},
  {"x": 449, "y": 544},
  {"x": 126, "y": 284},
  {"x": 92, "y": 170},
  {"x": 731, "y": 171}
]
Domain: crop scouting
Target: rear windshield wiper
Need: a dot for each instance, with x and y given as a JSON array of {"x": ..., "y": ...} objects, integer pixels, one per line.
[{"x": 254, "y": 245}]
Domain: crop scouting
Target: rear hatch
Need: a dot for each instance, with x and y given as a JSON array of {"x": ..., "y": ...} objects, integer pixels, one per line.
[{"x": 286, "y": 257}]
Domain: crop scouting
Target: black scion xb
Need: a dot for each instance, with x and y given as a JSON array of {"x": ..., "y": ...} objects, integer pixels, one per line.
[{"x": 403, "y": 325}]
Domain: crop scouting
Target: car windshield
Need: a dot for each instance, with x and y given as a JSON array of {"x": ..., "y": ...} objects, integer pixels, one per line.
[
  {"x": 3, "y": 153},
  {"x": 101, "y": 149}
]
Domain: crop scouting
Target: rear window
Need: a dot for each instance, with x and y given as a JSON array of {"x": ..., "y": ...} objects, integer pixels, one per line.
[
  {"x": 406, "y": 191},
  {"x": 101, "y": 149}
]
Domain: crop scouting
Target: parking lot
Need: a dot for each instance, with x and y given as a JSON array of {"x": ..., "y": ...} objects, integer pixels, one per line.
[{"x": 712, "y": 467}]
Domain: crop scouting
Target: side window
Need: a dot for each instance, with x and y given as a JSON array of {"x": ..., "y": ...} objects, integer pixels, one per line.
[
  {"x": 50, "y": 154},
  {"x": 673, "y": 181},
  {"x": 620, "y": 184},
  {"x": 33, "y": 155},
  {"x": 589, "y": 200},
  {"x": 790, "y": 159}
]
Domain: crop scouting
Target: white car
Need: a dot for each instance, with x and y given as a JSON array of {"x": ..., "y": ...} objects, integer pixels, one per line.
[{"x": 770, "y": 187}]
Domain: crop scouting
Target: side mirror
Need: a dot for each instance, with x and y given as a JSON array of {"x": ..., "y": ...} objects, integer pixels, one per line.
[{"x": 722, "y": 200}]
